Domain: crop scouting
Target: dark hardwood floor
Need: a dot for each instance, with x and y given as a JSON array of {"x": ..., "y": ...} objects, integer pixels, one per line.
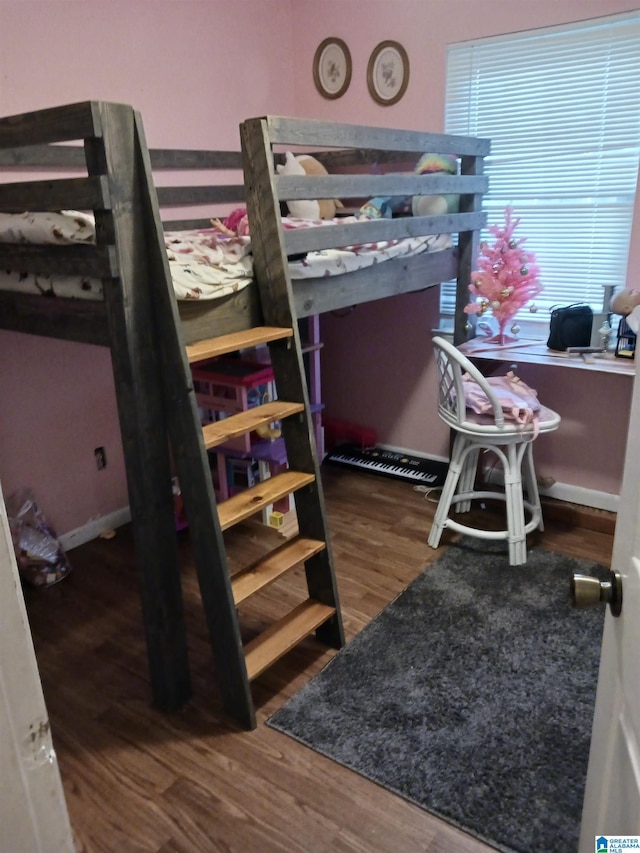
[{"x": 192, "y": 782}]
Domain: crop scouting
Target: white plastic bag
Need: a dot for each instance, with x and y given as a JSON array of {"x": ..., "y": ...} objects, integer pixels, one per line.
[{"x": 40, "y": 556}]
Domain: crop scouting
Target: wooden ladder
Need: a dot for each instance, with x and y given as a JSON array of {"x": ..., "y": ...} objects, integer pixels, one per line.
[
  {"x": 162, "y": 433},
  {"x": 221, "y": 594},
  {"x": 320, "y": 611}
]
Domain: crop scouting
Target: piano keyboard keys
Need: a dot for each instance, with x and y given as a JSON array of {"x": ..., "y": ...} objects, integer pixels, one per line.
[{"x": 389, "y": 463}]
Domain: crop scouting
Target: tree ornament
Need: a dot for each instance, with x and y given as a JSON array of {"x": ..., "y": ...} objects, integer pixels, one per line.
[
  {"x": 506, "y": 277},
  {"x": 515, "y": 329},
  {"x": 533, "y": 308}
]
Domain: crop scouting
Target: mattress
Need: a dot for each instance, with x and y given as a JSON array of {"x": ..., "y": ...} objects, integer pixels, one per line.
[{"x": 205, "y": 264}]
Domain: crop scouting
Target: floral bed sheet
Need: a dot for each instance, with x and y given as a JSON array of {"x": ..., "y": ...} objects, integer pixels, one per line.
[
  {"x": 205, "y": 264},
  {"x": 330, "y": 262}
]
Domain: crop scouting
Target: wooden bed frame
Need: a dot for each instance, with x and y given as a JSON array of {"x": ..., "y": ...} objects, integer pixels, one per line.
[
  {"x": 116, "y": 176},
  {"x": 364, "y": 163}
]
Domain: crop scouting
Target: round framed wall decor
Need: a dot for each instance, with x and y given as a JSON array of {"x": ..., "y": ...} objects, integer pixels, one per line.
[
  {"x": 388, "y": 72},
  {"x": 332, "y": 68}
]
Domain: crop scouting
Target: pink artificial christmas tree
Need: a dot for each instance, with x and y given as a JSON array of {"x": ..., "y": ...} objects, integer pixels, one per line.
[{"x": 506, "y": 278}]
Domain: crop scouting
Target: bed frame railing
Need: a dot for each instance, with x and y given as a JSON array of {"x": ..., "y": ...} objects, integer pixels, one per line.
[
  {"x": 347, "y": 151},
  {"x": 190, "y": 187}
]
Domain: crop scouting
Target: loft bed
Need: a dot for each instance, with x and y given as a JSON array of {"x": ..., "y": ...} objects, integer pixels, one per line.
[
  {"x": 368, "y": 163},
  {"x": 113, "y": 185},
  {"x": 364, "y": 164}
]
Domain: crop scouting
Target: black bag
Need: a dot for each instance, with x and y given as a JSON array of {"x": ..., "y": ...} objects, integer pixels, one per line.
[{"x": 570, "y": 327}]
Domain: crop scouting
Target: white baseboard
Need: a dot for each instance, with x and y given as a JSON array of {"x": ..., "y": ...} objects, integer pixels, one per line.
[
  {"x": 559, "y": 491},
  {"x": 94, "y": 527},
  {"x": 581, "y": 496},
  {"x": 567, "y": 493}
]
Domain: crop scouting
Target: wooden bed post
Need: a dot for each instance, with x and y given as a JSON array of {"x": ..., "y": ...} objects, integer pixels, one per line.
[
  {"x": 175, "y": 383},
  {"x": 468, "y": 246},
  {"x": 138, "y": 384},
  {"x": 276, "y": 296}
]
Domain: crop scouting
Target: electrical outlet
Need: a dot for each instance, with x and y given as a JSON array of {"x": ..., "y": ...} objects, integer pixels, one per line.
[{"x": 101, "y": 458}]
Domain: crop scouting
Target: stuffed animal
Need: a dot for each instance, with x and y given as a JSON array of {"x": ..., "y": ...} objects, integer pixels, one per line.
[
  {"x": 627, "y": 304},
  {"x": 435, "y": 205},
  {"x": 385, "y": 207},
  {"x": 305, "y": 164}
]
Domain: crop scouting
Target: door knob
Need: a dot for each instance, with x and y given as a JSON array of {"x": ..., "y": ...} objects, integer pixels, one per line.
[{"x": 589, "y": 592}]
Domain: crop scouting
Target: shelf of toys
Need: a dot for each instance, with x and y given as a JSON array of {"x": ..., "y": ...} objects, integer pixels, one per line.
[{"x": 225, "y": 386}]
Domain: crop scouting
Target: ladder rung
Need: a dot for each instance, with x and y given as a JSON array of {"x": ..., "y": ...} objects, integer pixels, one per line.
[
  {"x": 263, "y": 572},
  {"x": 250, "y": 501},
  {"x": 202, "y": 350},
  {"x": 247, "y": 421},
  {"x": 283, "y": 635}
]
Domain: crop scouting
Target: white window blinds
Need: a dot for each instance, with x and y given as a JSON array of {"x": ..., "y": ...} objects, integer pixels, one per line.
[{"x": 562, "y": 109}]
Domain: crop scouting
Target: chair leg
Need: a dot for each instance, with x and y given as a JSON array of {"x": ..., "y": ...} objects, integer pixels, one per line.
[
  {"x": 531, "y": 484},
  {"x": 515, "y": 506},
  {"x": 448, "y": 491},
  {"x": 468, "y": 479}
]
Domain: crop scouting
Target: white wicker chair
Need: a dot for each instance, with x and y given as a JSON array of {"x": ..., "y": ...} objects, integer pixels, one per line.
[{"x": 511, "y": 442}]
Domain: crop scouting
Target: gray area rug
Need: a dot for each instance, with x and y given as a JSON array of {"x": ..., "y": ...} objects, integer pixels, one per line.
[{"x": 471, "y": 695}]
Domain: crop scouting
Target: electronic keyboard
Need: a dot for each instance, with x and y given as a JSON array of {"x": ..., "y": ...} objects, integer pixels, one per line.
[{"x": 414, "y": 469}]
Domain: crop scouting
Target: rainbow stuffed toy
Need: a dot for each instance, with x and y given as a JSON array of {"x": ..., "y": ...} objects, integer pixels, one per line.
[
  {"x": 385, "y": 207},
  {"x": 435, "y": 205}
]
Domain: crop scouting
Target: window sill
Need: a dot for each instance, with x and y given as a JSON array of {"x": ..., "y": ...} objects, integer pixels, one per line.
[{"x": 537, "y": 352}]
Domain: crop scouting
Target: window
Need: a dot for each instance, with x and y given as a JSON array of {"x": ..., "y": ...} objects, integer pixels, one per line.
[{"x": 562, "y": 109}]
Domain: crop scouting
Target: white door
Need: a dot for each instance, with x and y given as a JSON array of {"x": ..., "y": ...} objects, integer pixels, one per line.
[
  {"x": 612, "y": 797},
  {"x": 33, "y": 811}
]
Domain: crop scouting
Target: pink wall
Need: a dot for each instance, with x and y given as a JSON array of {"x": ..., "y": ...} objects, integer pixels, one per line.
[
  {"x": 195, "y": 70},
  {"x": 390, "y": 384}
]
